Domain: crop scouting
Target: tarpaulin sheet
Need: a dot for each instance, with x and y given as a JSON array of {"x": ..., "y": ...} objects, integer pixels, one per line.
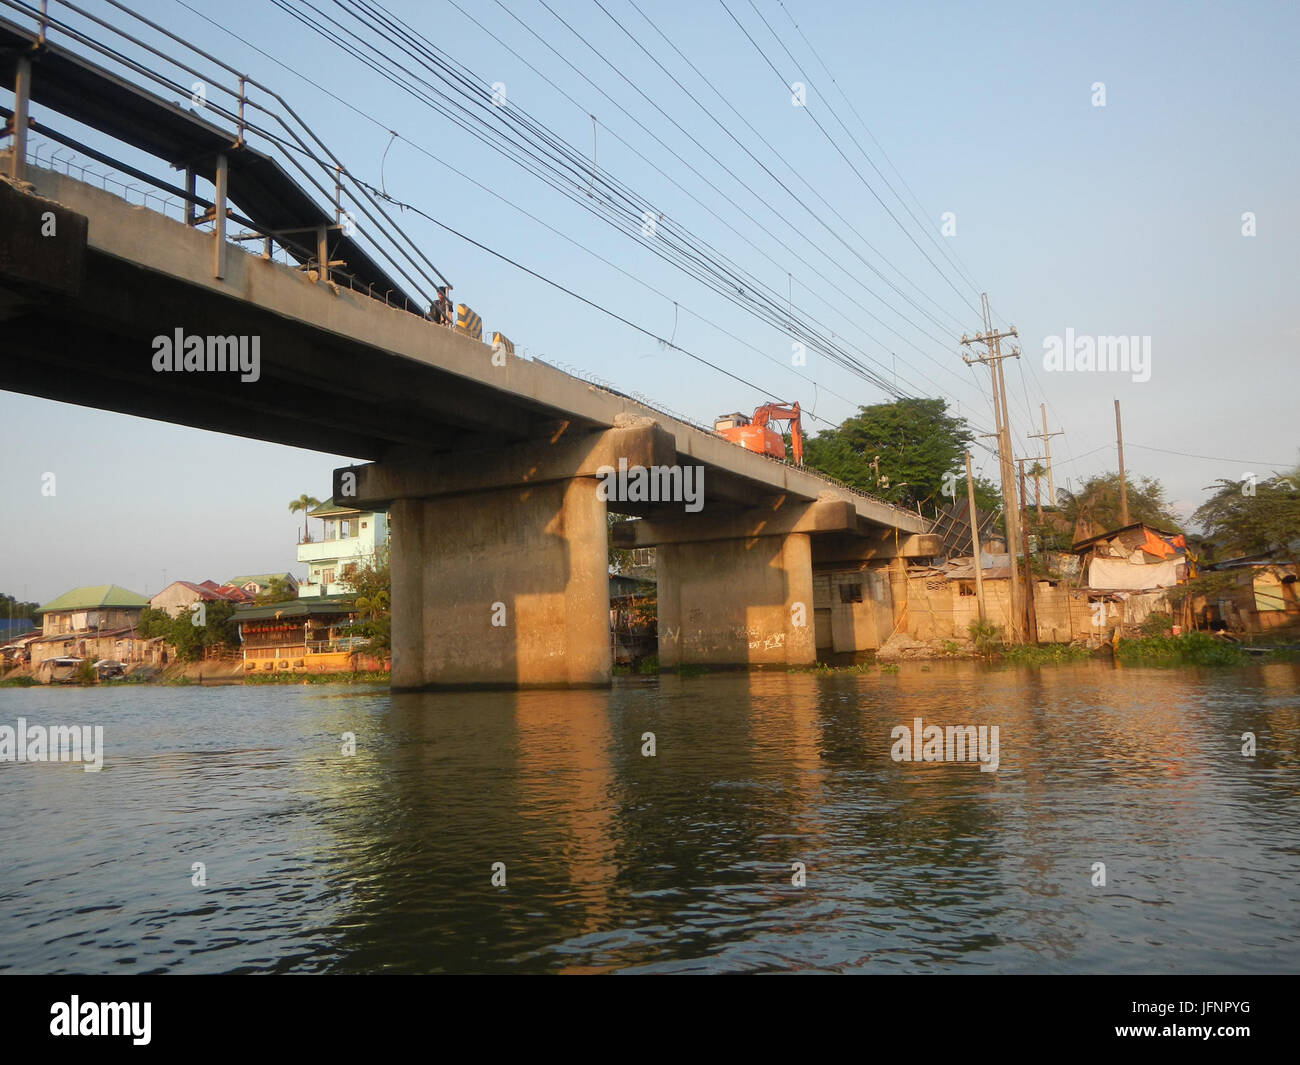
[
  {"x": 1155, "y": 545},
  {"x": 1119, "y": 574}
]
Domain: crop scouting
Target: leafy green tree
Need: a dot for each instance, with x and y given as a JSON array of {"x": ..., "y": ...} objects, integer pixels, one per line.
[
  {"x": 153, "y": 623},
  {"x": 11, "y": 607},
  {"x": 1242, "y": 518},
  {"x": 221, "y": 629},
  {"x": 371, "y": 581},
  {"x": 619, "y": 558},
  {"x": 1094, "y": 508},
  {"x": 303, "y": 503},
  {"x": 278, "y": 591},
  {"x": 900, "y": 451},
  {"x": 187, "y": 639}
]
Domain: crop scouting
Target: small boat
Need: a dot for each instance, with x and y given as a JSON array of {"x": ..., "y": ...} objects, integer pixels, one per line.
[{"x": 61, "y": 670}]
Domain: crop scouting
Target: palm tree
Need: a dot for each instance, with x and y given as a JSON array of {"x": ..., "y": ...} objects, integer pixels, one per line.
[
  {"x": 1037, "y": 471},
  {"x": 374, "y": 605},
  {"x": 304, "y": 503}
]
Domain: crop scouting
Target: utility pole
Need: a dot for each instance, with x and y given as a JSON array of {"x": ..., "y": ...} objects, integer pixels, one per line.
[
  {"x": 1123, "y": 485},
  {"x": 1031, "y": 614},
  {"x": 992, "y": 357},
  {"x": 1046, "y": 438},
  {"x": 975, "y": 541}
]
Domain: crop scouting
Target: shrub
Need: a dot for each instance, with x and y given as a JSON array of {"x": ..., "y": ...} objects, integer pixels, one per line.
[
  {"x": 987, "y": 637},
  {"x": 1157, "y": 624},
  {"x": 1192, "y": 648}
]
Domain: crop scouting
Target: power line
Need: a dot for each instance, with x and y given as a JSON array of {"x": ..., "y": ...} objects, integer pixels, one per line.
[
  {"x": 957, "y": 265},
  {"x": 1214, "y": 458},
  {"x": 826, "y": 134},
  {"x": 719, "y": 95},
  {"x": 765, "y": 308}
]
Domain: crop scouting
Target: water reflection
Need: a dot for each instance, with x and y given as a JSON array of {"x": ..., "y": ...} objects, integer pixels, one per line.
[{"x": 677, "y": 862}]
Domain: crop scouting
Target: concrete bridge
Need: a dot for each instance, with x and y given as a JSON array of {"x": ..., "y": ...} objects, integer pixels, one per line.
[{"x": 495, "y": 469}]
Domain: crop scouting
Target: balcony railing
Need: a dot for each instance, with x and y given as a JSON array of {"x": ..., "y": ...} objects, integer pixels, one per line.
[{"x": 346, "y": 644}]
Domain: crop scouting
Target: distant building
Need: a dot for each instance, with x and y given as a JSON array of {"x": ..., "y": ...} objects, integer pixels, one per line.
[
  {"x": 95, "y": 622},
  {"x": 1136, "y": 558},
  {"x": 350, "y": 537},
  {"x": 1258, "y": 594},
  {"x": 96, "y": 607},
  {"x": 302, "y": 636},
  {"x": 259, "y": 583},
  {"x": 179, "y": 596}
]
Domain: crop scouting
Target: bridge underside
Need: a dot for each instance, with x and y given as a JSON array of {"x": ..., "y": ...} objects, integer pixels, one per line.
[
  {"x": 491, "y": 468},
  {"x": 502, "y": 555}
]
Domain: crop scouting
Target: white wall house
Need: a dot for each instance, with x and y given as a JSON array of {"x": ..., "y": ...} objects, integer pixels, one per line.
[{"x": 348, "y": 537}]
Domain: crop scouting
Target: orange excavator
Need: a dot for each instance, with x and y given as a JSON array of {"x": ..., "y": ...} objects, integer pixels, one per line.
[{"x": 756, "y": 433}]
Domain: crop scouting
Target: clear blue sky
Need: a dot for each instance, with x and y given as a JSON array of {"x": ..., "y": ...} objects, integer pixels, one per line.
[{"x": 1115, "y": 220}]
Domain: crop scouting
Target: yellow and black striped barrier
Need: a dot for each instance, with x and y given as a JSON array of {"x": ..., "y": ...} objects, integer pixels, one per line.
[
  {"x": 468, "y": 322},
  {"x": 502, "y": 343}
]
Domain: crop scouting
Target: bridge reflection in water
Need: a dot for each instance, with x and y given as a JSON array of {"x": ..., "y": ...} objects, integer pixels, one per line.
[{"x": 682, "y": 861}]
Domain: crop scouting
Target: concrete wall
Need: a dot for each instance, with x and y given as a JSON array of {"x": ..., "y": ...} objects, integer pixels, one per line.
[
  {"x": 737, "y": 602},
  {"x": 941, "y": 609},
  {"x": 502, "y": 588},
  {"x": 845, "y": 627},
  {"x": 175, "y": 599},
  {"x": 60, "y": 622}
]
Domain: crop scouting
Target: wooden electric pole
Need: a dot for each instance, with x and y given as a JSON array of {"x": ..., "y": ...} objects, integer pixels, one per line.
[
  {"x": 992, "y": 357},
  {"x": 975, "y": 541},
  {"x": 1031, "y": 614},
  {"x": 1123, "y": 485},
  {"x": 1046, "y": 438}
]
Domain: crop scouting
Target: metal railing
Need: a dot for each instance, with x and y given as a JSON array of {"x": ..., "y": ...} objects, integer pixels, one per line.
[{"x": 256, "y": 116}]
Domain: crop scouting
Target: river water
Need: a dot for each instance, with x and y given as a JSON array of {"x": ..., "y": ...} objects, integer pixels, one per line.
[{"x": 316, "y": 861}]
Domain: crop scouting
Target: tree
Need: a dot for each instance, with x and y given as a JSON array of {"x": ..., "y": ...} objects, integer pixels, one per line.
[
  {"x": 11, "y": 607},
  {"x": 371, "y": 581},
  {"x": 187, "y": 639},
  {"x": 279, "y": 590},
  {"x": 304, "y": 503},
  {"x": 901, "y": 451},
  {"x": 1245, "y": 518},
  {"x": 153, "y": 623},
  {"x": 1036, "y": 473},
  {"x": 619, "y": 557},
  {"x": 1094, "y": 508}
]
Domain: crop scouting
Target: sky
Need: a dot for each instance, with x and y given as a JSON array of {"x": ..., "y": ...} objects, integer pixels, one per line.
[{"x": 1097, "y": 167}]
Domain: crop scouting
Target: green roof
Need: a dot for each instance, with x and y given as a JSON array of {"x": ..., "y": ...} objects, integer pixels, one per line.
[
  {"x": 330, "y": 509},
  {"x": 262, "y": 580},
  {"x": 297, "y": 608},
  {"x": 93, "y": 597}
]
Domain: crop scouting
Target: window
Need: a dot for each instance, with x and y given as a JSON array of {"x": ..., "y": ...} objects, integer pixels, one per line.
[
  {"x": 364, "y": 524},
  {"x": 965, "y": 588},
  {"x": 850, "y": 593},
  {"x": 327, "y": 576}
]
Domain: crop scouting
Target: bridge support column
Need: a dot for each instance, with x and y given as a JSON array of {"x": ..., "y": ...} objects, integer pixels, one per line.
[
  {"x": 500, "y": 558},
  {"x": 505, "y": 588},
  {"x": 736, "y": 602}
]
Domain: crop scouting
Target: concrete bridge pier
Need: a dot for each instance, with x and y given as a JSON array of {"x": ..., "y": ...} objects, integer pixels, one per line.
[
  {"x": 736, "y": 602},
  {"x": 500, "y": 559},
  {"x": 507, "y": 587},
  {"x": 737, "y": 589}
]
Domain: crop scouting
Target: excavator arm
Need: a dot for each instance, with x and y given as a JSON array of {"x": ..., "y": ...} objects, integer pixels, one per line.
[{"x": 772, "y": 411}]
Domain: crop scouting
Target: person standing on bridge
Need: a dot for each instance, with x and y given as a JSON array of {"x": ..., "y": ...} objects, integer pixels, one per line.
[{"x": 442, "y": 309}]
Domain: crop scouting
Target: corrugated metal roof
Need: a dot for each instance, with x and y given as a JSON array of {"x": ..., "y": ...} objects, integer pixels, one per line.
[{"x": 296, "y": 608}]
